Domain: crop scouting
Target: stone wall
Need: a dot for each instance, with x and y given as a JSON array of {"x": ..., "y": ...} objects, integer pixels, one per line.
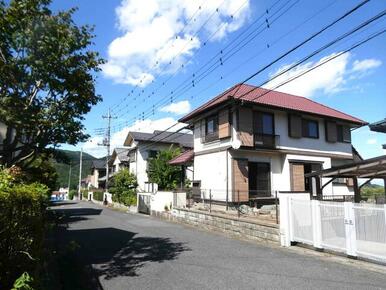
[{"x": 238, "y": 227}]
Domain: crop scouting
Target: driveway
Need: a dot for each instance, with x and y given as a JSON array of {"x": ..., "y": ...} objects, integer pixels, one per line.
[{"x": 116, "y": 250}]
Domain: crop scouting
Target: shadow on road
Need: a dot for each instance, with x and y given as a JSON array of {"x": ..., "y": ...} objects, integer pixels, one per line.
[{"x": 105, "y": 252}]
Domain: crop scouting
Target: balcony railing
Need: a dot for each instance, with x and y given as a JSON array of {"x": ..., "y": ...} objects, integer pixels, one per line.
[{"x": 266, "y": 141}]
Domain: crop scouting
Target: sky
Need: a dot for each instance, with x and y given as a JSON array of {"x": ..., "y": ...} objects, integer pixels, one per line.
[{"x": 165, "y": 58}]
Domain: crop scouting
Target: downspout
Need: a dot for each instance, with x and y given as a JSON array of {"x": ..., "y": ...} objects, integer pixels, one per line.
[{"x": 227, "y": 179}]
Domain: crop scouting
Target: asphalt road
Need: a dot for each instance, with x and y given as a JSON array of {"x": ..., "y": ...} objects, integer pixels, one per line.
[{"x": 127, "y": 251}]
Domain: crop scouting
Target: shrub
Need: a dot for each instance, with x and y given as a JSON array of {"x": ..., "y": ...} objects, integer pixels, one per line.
[
  {"x": 22, "y": 224},
  {"x": 161, "y": 172},
  {"x": 98, "y": 195},
  {"x": 72, "y": 193},
  {"x": 123, "y": 187}
]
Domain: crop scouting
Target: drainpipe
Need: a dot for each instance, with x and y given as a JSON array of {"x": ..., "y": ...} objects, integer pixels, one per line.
[{"x": 227, "y": 178}]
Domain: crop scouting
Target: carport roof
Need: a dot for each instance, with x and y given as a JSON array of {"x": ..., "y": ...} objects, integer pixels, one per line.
[{"x": 369, "y": 168}]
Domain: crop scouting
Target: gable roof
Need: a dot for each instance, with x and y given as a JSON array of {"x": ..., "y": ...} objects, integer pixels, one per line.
[
  {"x": 183, "y": 139},
  {"x": 121, "y": 153},
  {"x": 275, "y": 99},
  {"x": 98, "y": 164}
]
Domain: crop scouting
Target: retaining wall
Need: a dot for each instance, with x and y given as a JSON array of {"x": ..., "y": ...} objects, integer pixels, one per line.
[{"x": 238, "y": 227}]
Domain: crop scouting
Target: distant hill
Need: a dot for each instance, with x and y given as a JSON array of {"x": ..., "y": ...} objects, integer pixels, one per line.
[{"x": 73, "y": 158}]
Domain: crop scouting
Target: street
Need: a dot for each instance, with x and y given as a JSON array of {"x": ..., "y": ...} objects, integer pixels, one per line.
[{"x": 128, "y": 251}]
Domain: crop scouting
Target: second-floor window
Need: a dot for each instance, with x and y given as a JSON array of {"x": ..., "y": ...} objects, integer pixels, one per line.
[
  {"x": 310, "y": 128},
  {"x": 264, "y": 123},
  {"x": 211, "y": 128}
]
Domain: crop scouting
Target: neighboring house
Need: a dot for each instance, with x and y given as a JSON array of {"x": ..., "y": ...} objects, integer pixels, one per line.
[
  {"x": 144, "y": 146},
  {"x": 98, "y": 173},
  {"x": 250, "y": 142},
  {"x": 119, "y": 159},
  {"x": 379, "y": 127}
]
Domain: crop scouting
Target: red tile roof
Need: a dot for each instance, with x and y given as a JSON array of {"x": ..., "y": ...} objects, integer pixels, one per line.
[
  {"x": 274, "y": 99},
  {"x": 183, "y": 158}
]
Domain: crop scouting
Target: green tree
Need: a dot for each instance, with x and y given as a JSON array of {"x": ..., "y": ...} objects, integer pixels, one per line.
[
  {"x": 161, "y": 172},
  {"x": 123, "y": 187},
  {"x": 47, "y": 79}
]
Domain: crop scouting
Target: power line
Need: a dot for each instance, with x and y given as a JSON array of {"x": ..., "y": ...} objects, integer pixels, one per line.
[
  {"x": 362, "y": 25},
  {"x": 235, "y": 46}
]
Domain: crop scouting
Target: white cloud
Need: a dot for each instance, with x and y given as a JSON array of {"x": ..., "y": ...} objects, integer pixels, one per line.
[
  {"x": 178, "y": 108},
  {"x": 372, "y": 141},
  {"x": 329, "y": 78},
  {"x": 366, "y": 64},
  {"x": 149, "y": 30},
  {"x": 118, "y": 138}
]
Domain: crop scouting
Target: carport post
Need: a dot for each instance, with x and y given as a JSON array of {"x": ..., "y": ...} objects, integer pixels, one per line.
[{"x": 357, "y": 191}]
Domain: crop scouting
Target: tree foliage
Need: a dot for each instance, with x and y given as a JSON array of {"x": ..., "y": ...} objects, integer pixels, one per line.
[
  {"x": 47, "y": 79},
  {"x": 123, "y": 187},
  {"x": 161, "y": 172}
]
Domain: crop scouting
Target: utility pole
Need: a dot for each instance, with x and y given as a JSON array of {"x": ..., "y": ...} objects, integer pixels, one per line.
[
  {"x": 69, "y": 179},
  {"x": 80, "y": 174},
  {"x": 106, "y": 142}
]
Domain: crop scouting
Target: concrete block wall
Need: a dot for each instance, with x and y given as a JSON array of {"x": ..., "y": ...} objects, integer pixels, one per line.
[{"x": 238, "y": 227}]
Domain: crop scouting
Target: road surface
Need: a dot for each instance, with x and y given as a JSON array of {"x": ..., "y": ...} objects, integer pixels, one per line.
[{"x": 128, "y": 251}]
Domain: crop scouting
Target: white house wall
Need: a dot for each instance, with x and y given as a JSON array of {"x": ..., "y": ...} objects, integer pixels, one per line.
[{"x": 210, "y": 169}]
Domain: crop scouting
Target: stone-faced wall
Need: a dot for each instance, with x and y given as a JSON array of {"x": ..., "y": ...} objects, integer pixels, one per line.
[{"x": 238, "y": 227}]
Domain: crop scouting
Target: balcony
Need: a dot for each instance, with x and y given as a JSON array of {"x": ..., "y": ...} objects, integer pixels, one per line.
[{"x": 266, "y": 141}]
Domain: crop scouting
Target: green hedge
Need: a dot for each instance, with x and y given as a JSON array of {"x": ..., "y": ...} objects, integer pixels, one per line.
[
  {"x": 22, "y": 227},
  {"x": 98, "y": 195}
]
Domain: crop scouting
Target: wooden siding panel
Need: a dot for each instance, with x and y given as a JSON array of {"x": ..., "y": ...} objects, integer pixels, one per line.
[
  {"x": 224, "y": 128},
  {"x": 295, "y": 126},
  {"x": 246, "y": 127},
  {"x": 240, "y": 180},
  {"x": 331, "y": 132},
  {"x": 297, "y": 177}
]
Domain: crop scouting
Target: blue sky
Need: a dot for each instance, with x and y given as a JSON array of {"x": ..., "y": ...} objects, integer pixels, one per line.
[{"x": 133, "y": 35}]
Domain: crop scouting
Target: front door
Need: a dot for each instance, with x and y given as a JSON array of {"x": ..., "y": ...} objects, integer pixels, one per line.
[{"x": 259, "y": 179}]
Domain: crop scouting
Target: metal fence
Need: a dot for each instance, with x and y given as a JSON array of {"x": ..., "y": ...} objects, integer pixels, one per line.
[
  {"x": 353, "y": 228},
  {"x": 243, "y": 202}
]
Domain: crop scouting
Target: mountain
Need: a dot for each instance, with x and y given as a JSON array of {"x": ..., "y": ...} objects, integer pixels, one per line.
[{"x": 62, "y": 167}]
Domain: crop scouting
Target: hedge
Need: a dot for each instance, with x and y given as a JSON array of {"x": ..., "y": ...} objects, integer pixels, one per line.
[
  {"x": 98, "y": 195},
  {"x": 22, "y": 224}
]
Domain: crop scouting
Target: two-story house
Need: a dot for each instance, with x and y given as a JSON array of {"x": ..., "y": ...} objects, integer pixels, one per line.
[
  {"x": 144, "y": 146},
  {"x": 119, "y": 159},
  {"x": 250, "y": 142}
]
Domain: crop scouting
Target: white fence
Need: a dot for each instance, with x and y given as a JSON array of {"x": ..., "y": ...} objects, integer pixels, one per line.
[{"x": 352, "y": 228}]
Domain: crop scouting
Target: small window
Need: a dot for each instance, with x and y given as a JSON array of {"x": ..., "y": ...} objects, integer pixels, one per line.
[
  {"x": 211, "y": 128},
  {"x": 152, "y": 153},
  {"x": 343, "y": 134},
  {"x": 310, "y": 128}
]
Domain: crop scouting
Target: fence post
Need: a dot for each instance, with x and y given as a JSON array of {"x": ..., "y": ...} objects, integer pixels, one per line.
[
  {"x": 276, "y": 207},
  {"x": 285, "y": 239},
  {"x": 349, "y": 224},
  {"x": 238, "y": 203},
  {"x": 316, "y": 224},
  {"x": 210, "y": 200}
]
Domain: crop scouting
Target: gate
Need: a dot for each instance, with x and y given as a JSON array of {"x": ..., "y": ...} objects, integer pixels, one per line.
[
  {"x": 144, "y": 203},
  {"x": 352, "y": 228}
]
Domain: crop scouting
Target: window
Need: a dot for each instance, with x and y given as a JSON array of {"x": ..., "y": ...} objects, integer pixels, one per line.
[
  {"x": 310, "y": 128},
  {"x": 263, "y": 123},
  {"x": 152, "y": 153},
  {"x": 343, "y": 134},
  {"x": 211, "y": 128}
]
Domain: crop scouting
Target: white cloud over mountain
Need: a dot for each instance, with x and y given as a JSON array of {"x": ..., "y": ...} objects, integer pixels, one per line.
[{"x": 149, "y": 46}]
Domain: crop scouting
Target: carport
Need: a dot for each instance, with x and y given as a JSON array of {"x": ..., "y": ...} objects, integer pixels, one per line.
[{"x": 369, "y": 169}]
